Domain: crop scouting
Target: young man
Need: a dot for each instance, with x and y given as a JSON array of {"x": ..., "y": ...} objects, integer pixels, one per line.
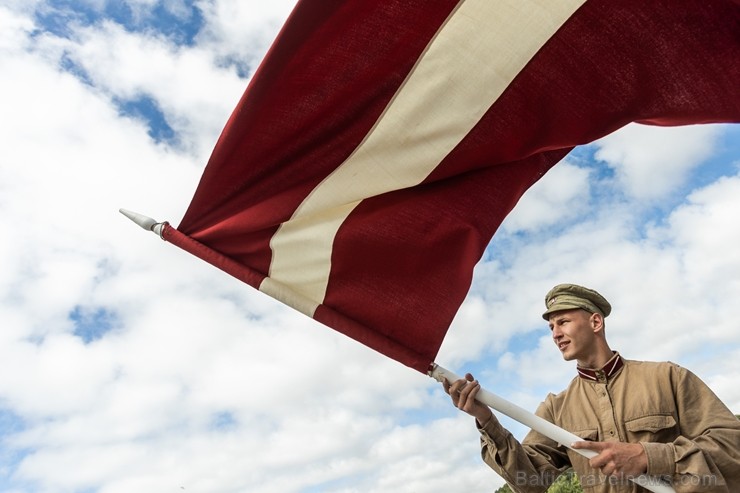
[{"x": 640, "y": 417}]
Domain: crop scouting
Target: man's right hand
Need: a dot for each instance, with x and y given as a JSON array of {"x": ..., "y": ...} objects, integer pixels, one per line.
[{"x": 463, "y": 394}]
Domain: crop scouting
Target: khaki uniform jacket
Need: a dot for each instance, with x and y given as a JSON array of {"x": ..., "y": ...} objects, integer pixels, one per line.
[{"x": 690, "y": 437}]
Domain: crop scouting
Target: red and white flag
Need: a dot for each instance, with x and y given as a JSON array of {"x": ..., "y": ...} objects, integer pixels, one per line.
[{"x": 381, "y": 143}]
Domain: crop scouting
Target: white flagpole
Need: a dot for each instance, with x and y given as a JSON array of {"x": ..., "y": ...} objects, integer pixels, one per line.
[
  {"x": 542, "y": 426},
  {"x": 144, "y": 221}
]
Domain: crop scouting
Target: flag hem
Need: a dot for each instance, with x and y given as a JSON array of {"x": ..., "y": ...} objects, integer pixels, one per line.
[{"x": 323, "y": 314}]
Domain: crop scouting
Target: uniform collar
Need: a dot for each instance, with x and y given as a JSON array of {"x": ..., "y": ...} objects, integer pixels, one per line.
[{"x": 605, "y": 373}]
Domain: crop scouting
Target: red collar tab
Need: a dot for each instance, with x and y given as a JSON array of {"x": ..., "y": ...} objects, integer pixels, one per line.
[{"x": 604, "y": 374}]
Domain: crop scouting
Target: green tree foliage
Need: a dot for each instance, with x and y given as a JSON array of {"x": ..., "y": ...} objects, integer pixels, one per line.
[{"x": 566, "y": 483}]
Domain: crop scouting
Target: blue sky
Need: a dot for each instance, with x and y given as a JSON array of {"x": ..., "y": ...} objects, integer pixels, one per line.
[{"x": 128, "y": 365}]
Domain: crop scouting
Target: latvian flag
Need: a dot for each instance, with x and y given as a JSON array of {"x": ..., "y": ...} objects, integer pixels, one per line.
[{"x": 381, "y": 142}]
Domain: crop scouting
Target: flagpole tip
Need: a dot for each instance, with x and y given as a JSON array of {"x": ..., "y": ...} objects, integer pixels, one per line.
[{"x": 145, "y": 222}]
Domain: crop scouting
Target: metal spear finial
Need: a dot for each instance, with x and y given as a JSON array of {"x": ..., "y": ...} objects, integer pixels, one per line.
[{"x": 144, "y": 221}]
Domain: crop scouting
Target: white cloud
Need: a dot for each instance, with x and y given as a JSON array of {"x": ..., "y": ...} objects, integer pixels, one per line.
[
  {"x": 565, "y": 194},
  {"x": 194, "y": 96},
  {"x": 704, "y": 227},
  {"x": 13, "y": 29},
  {"x": 21, "y": 7},
  {"x": 241, "y": 32},
  {"x": 528, "y": 366},
  {"x": 651, "y": 162}
]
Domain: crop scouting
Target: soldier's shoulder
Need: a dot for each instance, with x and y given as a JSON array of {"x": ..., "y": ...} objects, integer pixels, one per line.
[{"x": 655, "y": 368}]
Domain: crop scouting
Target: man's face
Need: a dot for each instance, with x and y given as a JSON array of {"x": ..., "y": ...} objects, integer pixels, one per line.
[{"x": 573, "y": 333}]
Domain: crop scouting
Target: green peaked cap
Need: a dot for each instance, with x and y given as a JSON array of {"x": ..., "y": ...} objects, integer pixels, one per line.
[{"x": 572, "y": 296}]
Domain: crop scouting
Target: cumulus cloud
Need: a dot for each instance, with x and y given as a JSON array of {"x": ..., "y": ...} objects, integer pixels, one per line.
[
  {"x": 565, "y": 194},
  {"x": 193, "y": 96},
  {"x": 241, "y": 32},
  {"x": 651, "y": 162}
]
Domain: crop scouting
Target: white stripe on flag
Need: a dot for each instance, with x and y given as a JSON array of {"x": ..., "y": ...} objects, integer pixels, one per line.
[{"x": 473, "y": 58}]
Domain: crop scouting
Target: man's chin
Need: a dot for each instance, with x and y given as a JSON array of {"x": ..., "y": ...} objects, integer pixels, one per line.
[{"x": 567, "y": 357}]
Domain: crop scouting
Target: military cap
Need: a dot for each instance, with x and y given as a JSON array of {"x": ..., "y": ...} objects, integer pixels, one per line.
[{"x": 572, "y": 296}]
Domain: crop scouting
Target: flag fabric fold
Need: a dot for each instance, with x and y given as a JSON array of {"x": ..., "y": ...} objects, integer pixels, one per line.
[{"x": 380, "y": 144}]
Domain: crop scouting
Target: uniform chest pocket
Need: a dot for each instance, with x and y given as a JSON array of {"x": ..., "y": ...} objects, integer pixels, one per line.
[
  {"x": 652, "y": 428},
  {"x": 589, "y": 434}
]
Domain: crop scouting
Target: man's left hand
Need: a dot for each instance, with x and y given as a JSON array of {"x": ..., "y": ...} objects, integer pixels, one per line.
[{"x": 616, "y": 458}]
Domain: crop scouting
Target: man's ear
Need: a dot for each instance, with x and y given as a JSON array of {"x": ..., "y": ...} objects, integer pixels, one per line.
[{"x": 597, "y": 322}]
